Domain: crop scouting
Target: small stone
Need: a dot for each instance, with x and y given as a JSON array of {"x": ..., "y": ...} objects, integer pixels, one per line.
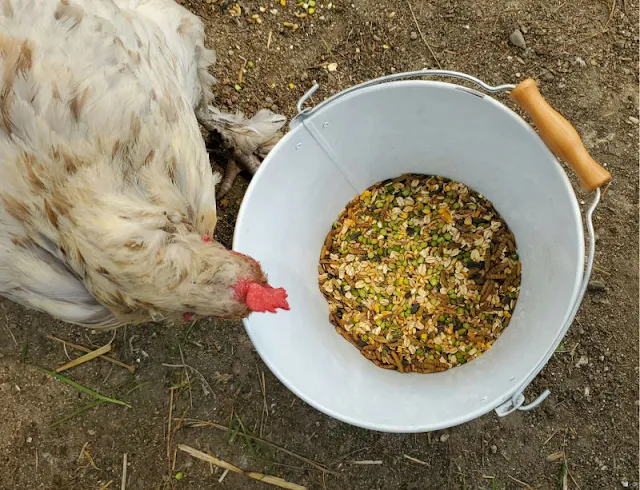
[
  {"x": 304, "y": 76},
  {"x": 547, "y": 76},
  {"x": 413, "y": 35},
  {"x": 444, "y": 437},
  {"x": 494, "y": 449},
  {"x": 268, "y": 100},
  {"x": 91, "y": 432},
  {"x": 583, "y": 361},
  {"x": 376, "y": 38},
  {"x": 625, "y": 483},
  {"x": 580, "y": 62},
  {"x": 29, "y": 440},
  {"x": 517, "y": 39},
  {"x": 634, "y": 120},
  {"x": 275, "y": 108},
  {"x": 596, "y": 286}
]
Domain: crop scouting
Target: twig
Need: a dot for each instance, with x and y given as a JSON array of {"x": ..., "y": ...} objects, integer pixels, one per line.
[
  {"x": 85, "y": 358},
  {"x": 416, "y": 460},
  {"x": 264, "y": 416},
  {"x": 169, "y": 428},
  {"x": 351, "y": 453},
  {"x": 269, "y": 39},
  {"x": 206, "y": 387},
  {"x": 223, "y": 476},
  {"x": 550, "y": 437},
  {"x": 204, "y": 423},
  {"x": 106, "y": 485},
  {"x": 424, "y": 40},
  {"x": 11, "y": 333},
  {"x": 367, "y": 462},
  {"x": 613, "y": 8},
  {"x": 526, "y": 485},
  {"x": 123, "y": 484},
  {"x": 86, "y": 390},
  {"x": 272, "y": 480},
  {"x": 85, "y": 349}
]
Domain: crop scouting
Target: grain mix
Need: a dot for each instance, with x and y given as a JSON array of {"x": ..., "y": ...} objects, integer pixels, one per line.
[{"x": 421, "y": 274}]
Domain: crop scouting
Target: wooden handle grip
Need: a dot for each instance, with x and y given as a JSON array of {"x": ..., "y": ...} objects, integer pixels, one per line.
[{"x": 559, "y": 135}]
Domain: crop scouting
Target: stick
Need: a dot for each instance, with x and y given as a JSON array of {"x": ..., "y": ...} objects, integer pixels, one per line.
[
  {"x": 203, "y": 423},
  {"x": 272, "y": 480},
  {"x": 85, "y": 349},
  {"x": 123, "y": 485},
  {"x": 424, "y": 40},
  {"x": 416, "y": 460},
  {"x": 86, "y": 358}
]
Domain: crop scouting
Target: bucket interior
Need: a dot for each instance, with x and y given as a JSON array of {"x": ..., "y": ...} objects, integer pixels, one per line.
[{"x": 382, "y": 132}]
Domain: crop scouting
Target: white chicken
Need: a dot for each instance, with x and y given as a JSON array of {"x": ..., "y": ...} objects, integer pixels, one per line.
[{"x": 107, "y": 197}]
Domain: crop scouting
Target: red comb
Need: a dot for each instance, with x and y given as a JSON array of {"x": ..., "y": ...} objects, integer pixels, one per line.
[{"x": 262, "y": 298}]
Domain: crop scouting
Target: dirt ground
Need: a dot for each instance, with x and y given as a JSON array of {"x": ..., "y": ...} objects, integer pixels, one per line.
[{"x": 585, "y": 55}]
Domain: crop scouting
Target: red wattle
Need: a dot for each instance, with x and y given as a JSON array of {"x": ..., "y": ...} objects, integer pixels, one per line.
[{"x": 206, "y": 238}]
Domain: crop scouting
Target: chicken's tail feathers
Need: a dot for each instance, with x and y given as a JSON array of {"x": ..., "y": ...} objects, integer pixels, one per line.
[{"x": 257, "y": 134}]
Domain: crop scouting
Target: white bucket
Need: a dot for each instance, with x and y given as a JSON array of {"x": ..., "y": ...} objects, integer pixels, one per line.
[{"x": 379, "y": 131}]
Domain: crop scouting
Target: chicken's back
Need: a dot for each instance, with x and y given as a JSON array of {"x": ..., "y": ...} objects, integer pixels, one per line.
[{"x": 96, "y": 127}]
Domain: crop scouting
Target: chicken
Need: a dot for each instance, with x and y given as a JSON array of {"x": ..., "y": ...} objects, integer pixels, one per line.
[{"x": 108, "y": 204}]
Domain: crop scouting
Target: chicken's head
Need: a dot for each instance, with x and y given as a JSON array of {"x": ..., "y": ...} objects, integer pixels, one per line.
[{"x": 232, "y": 285}]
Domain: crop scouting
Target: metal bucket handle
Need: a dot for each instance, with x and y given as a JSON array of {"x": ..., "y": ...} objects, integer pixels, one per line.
[{"x": 565, "y": 143}]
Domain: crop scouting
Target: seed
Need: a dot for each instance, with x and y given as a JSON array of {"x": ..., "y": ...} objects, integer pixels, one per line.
[{"x": 393, "y": 292}]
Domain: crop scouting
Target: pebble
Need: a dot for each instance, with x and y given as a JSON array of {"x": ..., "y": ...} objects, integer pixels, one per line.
[
  {"x": 517, "y": 39},
  {"x": 275, "y": 108},
  {"x": 91, "y": 432},
  {"x": 268, "y": 100},
  {"x": 634, "y": 120},
  {"x": 583, "y": 361},
  {"x": 580, "y": 62},
  {"x": 494, "y": 449},
  {"x": 376, "y": 38},
  {"x": 624, "y": 483},
  {"x": 596, "y": 286},
  {"x": 413, "y": 35},
  {"x": 547, "y": 76},
  {"x": 444, "y": 437},
  {"x": 29, "y": 439}
]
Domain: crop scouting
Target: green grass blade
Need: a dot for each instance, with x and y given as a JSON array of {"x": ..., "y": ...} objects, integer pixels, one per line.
[{"x": 86, "y": 390}]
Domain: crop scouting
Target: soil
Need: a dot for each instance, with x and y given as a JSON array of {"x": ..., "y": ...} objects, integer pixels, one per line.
[{"x": 585, "y": 55}]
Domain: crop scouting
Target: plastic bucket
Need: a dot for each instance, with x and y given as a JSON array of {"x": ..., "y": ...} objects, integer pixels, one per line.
[{"x": 381, "y": 130}]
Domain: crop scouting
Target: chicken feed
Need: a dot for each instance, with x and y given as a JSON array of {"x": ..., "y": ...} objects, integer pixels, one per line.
[{"x": 421, "y": 274}]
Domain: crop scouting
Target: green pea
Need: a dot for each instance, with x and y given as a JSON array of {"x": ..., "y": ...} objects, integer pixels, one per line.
[
  {"x": 456, "y": 205},
  {"x": 433, "y": 281},
  {"x": 420, "y": 352},
  {"x": 472, "y": 206},
  {"x": 406, "y": 280},
  {"x": 460, "y": 311},
  {"x": 441, "y": 239},
  {"x": 379, "y": 204},
  {"x": 447, "y": 236}
]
